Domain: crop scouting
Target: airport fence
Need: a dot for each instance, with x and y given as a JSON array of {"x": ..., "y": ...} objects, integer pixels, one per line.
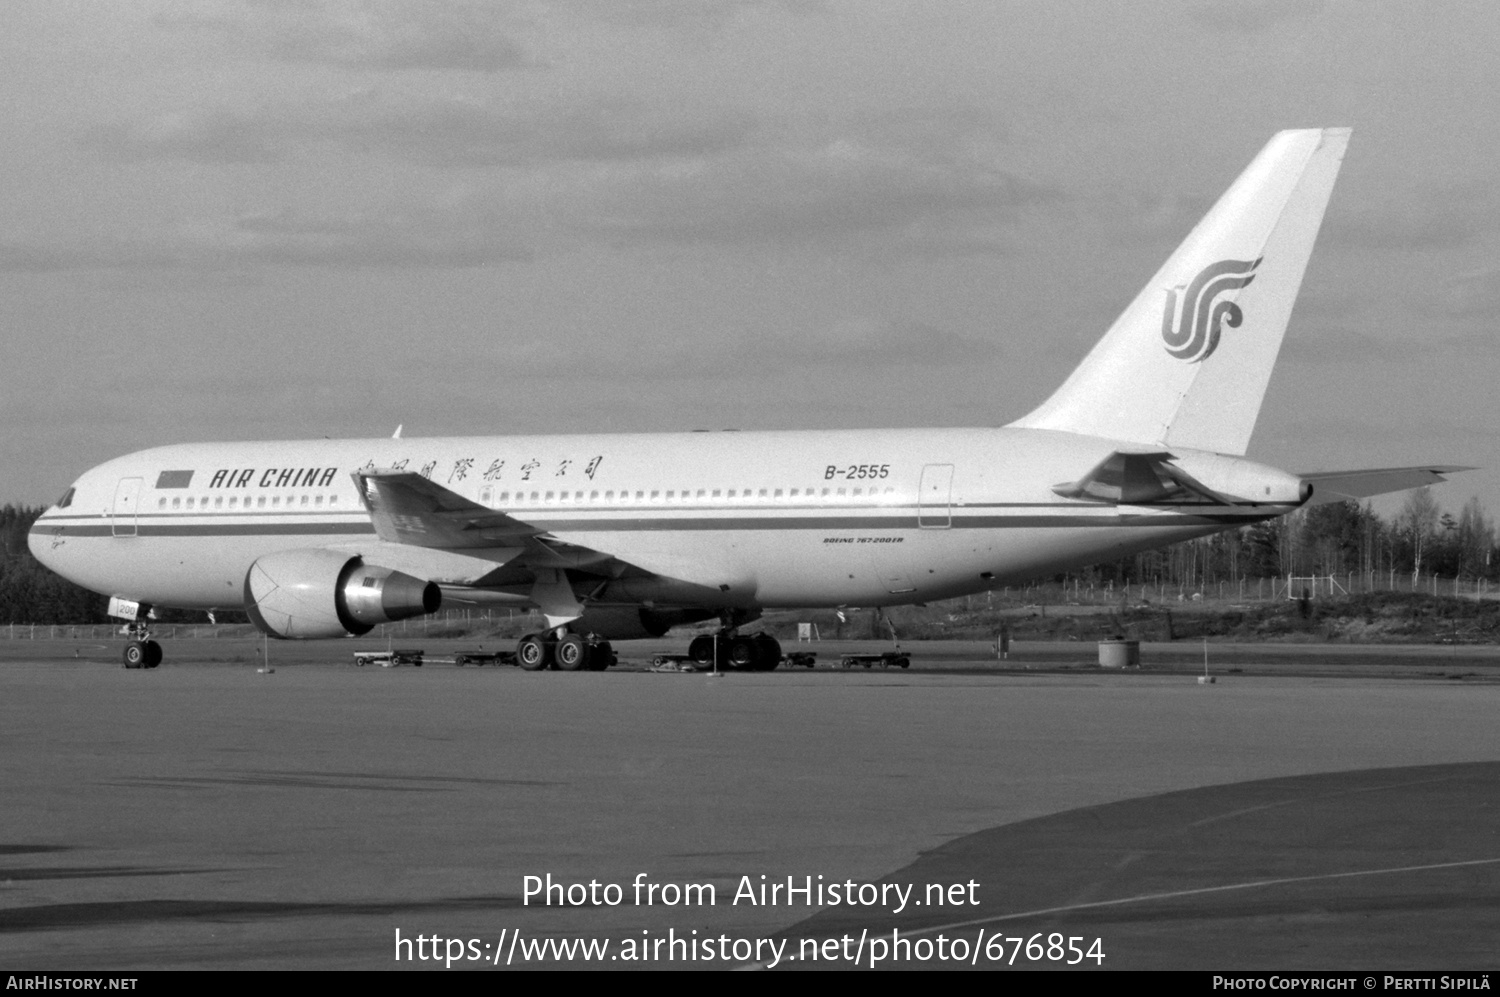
[
  {"x": 1074, "y": 592},
  {"x": 1244, "y": 590}
]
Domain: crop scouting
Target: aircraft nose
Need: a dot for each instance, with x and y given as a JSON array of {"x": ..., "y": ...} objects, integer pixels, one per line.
[{"x": 39, "y": 541}]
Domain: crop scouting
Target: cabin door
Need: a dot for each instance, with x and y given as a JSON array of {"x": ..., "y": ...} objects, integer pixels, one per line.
[
  {"x": 935, "y": 497},
  {"x": 127, "y": 499}
]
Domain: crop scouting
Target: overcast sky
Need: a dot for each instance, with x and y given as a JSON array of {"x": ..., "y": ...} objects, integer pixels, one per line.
[{"x": 286, "y": 218}]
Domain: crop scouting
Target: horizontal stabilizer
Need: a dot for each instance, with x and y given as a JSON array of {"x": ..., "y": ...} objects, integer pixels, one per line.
[{"x": 1339, "y": 486}]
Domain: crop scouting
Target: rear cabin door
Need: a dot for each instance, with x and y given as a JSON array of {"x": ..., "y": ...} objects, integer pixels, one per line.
[
  {"x": 127, "y": 499},
  {"x": 934, "y": 500}
]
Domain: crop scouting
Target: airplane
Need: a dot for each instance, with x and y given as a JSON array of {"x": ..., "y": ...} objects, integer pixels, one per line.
[{"x": 620, "y": 536}]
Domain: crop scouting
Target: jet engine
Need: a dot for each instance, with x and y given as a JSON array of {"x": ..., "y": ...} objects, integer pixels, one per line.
[{"x": 321, "y": 593}]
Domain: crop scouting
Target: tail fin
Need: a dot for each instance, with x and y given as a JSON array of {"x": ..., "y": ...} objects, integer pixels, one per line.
[{"x": 1186, "y": 365}]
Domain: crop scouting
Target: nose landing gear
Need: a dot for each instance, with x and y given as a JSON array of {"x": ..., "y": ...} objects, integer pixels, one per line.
[{"x": 141, "y": 651}]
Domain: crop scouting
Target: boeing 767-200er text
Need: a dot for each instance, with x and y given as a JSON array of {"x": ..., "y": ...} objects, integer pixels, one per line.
[{"x": 620, "y": 536}]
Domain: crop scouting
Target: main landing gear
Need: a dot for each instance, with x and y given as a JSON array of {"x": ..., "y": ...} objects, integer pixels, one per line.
[
  {"x": 567, "y": 653},
  {"x": 142, "y": 651},
  {"x": 756, "y": 653}
]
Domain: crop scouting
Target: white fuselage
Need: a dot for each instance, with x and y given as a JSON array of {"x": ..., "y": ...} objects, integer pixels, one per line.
[{"x": 764, "y": 519}]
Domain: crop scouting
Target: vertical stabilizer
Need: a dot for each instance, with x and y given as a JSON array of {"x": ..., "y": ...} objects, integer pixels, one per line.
[{"x": 1188, "y": 362}]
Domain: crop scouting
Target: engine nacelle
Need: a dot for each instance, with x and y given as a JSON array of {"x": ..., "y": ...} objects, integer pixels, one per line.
[
  {"x": 321, "y": 593},
  {"x": 633, "y": 622}
]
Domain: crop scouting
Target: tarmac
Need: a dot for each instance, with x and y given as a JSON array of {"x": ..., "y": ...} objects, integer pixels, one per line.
[{"x": 1307, "y": 811}]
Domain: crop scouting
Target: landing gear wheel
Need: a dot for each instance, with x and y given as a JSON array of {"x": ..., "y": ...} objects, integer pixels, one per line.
[
  {"x": 701, "y": 649},
  {"x": 532, "y": 653},
  {"x": 601, "y": 656},
  {"x": 135, "y": 654},
  {"x": 769, "y": 649},
  {"x": 153, "y": 654},
  {"x": 571, "y": 653},
  {"x": 743, "y": 654}
]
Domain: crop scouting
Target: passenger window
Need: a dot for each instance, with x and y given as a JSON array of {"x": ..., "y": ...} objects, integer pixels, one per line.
[
  {"x": 640, "y": 496},
  {"x": 161, "y": 503},
  {"x": 275, "y": 501},
  {"x": 177, "y": 503},
  {"x": 234, "y": 500},
  {"x": 218, "y": 501},
  {"x": 260, "y": 503},
  {"x": 318, "y": 500},
  {"x": 534, "y": 496},
  {"x": 778, "y": 492},
  {"x": 700, "y": 493},
  {"x": 763, "y": 493},
  {"x": 593, "y": 496},
  {"x": 716, "y": 493},
  {"x": 332, "y": 499}
]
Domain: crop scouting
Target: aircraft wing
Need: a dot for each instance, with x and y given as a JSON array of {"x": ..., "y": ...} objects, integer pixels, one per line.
[
  {"x": 410, "y": 509},
  {"x": 1339, "y": 486}
]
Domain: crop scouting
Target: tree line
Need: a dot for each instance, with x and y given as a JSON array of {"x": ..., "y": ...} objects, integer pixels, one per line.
[{"x": 1339, "y": 539}]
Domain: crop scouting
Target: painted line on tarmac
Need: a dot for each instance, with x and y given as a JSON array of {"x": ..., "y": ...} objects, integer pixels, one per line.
[{"x": 1175, "y": 894}]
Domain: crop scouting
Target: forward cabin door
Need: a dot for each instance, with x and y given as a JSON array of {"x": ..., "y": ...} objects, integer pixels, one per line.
[
  {"x": 127, "y": 499},
  {"x": 934, "y": 500}
]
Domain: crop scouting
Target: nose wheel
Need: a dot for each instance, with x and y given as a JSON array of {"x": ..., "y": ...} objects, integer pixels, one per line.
[{"x": 142, "y": 654}]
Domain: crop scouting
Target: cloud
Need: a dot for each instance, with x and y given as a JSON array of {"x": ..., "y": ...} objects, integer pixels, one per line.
[
  {"x": 851, "y": 345},
  {"x": 362, "y": 34},
  {"x": 282, "y": 239},
  {"x": 1250, "y": 16},
  {"x": 817, "y": 194},
  {"x": 676, "y": 13},
  {"x": 432, "y": 131},
  {"x": 1437, "y": 219},
  {"x": 931, "y": 181}
]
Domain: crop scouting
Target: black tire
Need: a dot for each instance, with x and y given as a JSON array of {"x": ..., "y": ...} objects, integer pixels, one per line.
[
  {"x": 701, "y": 649},
  {"x": 153, "y": 654},
  {"x": 135, "y": 654},
  {"x": 904, "y": 661},
  {"x": 533, "y": 653},
  {"x": 770, "y": 652},
  {"x": 460, "y": 660},
  {"x": 571, "y": 653},
  {"x": 601, "y": 656},
  {"x": 743, "y": 654}
]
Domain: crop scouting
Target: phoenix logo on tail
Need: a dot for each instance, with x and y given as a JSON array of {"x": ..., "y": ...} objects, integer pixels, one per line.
[{"x": 1196, "y": 335}]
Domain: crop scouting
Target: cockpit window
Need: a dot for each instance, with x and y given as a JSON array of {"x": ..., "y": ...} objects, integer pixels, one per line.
[{"x": 67, "y": 498}]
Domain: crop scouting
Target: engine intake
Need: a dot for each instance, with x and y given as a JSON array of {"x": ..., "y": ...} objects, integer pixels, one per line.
[{"x": 300, "y": 594}]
